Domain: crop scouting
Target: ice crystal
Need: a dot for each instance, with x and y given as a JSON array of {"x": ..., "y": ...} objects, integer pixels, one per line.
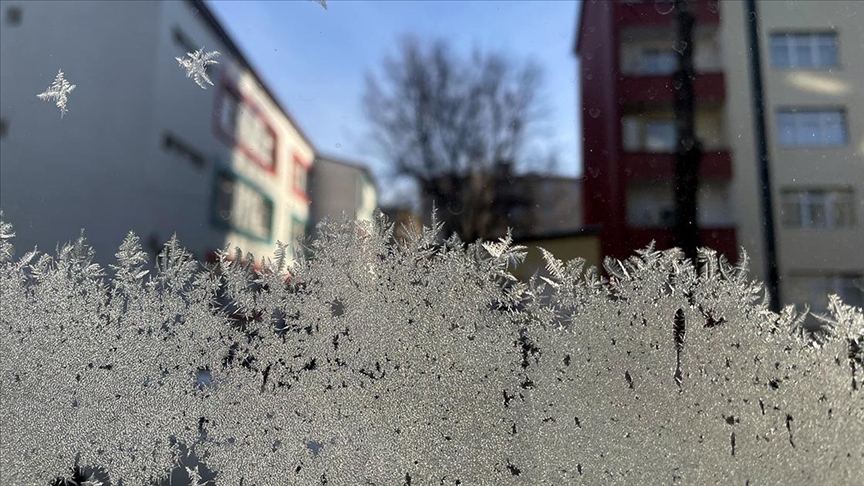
[
  {"x": 58, "y": 92},
  {"x": 195, "y": 64},
  {"x": 371, "y": 360}
]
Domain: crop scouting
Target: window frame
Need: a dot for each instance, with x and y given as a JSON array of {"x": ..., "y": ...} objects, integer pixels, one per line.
[
  {"x": 228, "y": 225},
  {"x": 797, "y": 205},
  {"x": 791, "y": 40},
  {"x": 821, "y": 284},
  {"x": 638, "y": 127},
  {"x": 300, "y": 164},
  {"x": 232, "y": 139},
  {"x": 797, "y": 116},
  {"x": 647, "y": 55}
]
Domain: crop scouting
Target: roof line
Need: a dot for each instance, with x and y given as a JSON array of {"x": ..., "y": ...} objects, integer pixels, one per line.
[
  {"x": 211, "y": 20},
  {"x": 343, "y": 161},
  {"x": 580, "y": 12}
]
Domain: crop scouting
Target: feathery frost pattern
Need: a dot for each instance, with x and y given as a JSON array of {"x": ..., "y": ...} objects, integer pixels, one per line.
[
  {"x": 195, "y": 64},
  {"x": 58, "y": 92},
  {"x": 421, "y": 361}
]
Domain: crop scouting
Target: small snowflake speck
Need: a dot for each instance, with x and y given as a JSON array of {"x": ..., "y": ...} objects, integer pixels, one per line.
[
  {"x": 195, "y": 64},
  {"x": 58, "y": 91}
]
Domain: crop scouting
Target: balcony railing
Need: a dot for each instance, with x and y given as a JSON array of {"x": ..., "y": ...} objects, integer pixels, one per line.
[
  {"x": 715, "y": 164},
  {"x": 658, "y": 89}
]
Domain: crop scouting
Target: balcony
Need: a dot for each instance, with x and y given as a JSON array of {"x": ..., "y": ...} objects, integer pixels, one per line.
[
  {"x": 715, "y": 164},
  {"x": 658, "y": 89},
  {"x": 659, "y": 13}
]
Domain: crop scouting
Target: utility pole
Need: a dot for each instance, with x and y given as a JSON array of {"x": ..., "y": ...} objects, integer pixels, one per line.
[
  {"x": 773, "y": 283},
  {"x": 688, "y": 152}
]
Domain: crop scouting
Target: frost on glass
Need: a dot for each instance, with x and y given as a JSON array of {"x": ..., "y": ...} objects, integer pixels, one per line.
[
  {"x": 58, "y": 92},
  {"x": 195, "y": 64},
  {"x": 418, "y": 361}
]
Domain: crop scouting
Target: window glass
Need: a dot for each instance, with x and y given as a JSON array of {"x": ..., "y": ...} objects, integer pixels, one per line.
[
  {"x": 243, "y": 207},
  {"x": 808, "y": 51},
  {"x": 810, "y": 127},
  {"x": 300, "y": 174},
  {"x": 228, "y": 112},
  {"x": 660, "y": 136},
  {"x": 814, "y": 289},
  {"x": 658, "y": 61},
  {"x": 818, "y": 208}
]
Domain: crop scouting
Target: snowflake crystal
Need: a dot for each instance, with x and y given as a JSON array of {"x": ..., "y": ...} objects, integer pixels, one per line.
[
  {"x": 58, "y": 91},
  {"x": 196, "y": 64}
]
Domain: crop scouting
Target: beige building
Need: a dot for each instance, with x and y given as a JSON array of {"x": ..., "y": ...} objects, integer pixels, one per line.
[
  {"x": 813, "y": 79},
  {"x": 341, "y": 188}
]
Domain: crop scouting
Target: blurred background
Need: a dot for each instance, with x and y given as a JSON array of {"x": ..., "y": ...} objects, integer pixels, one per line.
[{"x": 590, "y": 128}]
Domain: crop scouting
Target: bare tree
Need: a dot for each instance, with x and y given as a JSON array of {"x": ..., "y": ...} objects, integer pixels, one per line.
[
  {"x": 456, "y": 127},
  {"x": 689, "y": 149}
]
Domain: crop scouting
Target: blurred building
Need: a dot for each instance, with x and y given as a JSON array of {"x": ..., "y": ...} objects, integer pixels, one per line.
[
  {"x": 811, "y": 70},
  {"x": 626, "y": 56},
  {"x": 142, "y": 147},
  {"x": 530, "y": 205},
  {"x": 346, "y": 189},
  {"x": 555, "y": 206},
  {"x": 812, "y": 73}
]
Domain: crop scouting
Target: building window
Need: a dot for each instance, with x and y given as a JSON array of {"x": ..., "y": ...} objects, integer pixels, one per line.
[
  {"x": 652, "y": 135},
  {"x": 814, "y": 289},
  {"x": 818, "y": 208},
  {"x": 229, "y": 107},
  {"x": 240, "y": 206},
  {"x": 4, "y": 127},
  {"x": 240, "y": 121},
  {"x": 811, "y": 128},
  {"x": 14, "y": 15},
  {"x": 173, "y": 144},
  {"x": 298, "y": 231},
  {"x": 804, "y": 50},
  {"x": 299, "y": 176},
  {"x": 658, "y": 61},
  {"x": 660, "y": 136}
]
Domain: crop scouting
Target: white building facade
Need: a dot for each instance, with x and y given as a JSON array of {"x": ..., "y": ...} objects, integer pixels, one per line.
[{"x": 142, "y": 147}]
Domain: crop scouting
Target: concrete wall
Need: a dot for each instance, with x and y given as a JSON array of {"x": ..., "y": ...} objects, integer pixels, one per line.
[
  {"x": 56, "y": 175},
  {"x": 821, "y": 251},
  {"x": 104, "y": 166}
]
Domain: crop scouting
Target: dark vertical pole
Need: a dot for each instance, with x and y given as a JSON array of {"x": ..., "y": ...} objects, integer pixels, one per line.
[
  {"x": 762, "y": 155},
  {"x": 689, "y": 151}
]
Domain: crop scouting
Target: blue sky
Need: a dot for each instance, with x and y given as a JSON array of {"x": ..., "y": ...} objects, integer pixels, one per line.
[{"x": 316, "y": 60}]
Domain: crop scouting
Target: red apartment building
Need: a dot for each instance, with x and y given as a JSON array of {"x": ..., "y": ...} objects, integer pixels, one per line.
[{"x": 627, "y": 54}]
